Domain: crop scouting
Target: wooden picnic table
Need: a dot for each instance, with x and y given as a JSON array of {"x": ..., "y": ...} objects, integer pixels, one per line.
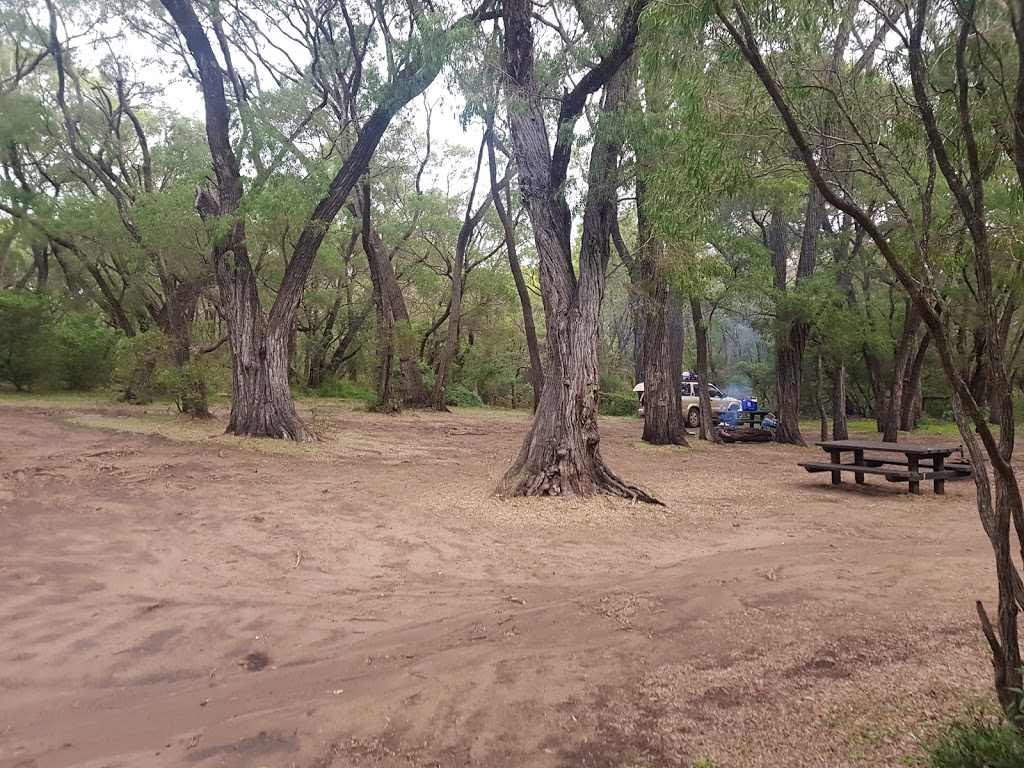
[
  {"x": 922, "y": 462},
  {"x": 749, "y": 418}
]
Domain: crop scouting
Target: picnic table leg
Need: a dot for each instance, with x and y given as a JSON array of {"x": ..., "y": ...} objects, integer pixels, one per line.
[
  {"x": 939, "y": 466},
  {"x": 912, "y": 465},
  {"x": 858, "y": 458},
  {"x": 837, "y": 475}
]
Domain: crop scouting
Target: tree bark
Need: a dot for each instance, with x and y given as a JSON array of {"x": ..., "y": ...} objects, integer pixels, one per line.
[
  {"x": 910, "y": 409},
  {"x": 788, "y": 358},
  {"x": 560, "y": 455}
]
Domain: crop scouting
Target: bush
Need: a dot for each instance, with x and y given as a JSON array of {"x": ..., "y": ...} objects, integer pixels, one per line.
[
  {"x": 187, "y": 385},
  {"x": 87, "y": 352},
  {"x": 343, "y": 389},
  {"x": 978, "y": 744},
  {"x": 140, "y": 361},
  {"x": 614, "y": 404},
  {"x": 460, "y": 397},
  {"x": 27, "y": 352}
]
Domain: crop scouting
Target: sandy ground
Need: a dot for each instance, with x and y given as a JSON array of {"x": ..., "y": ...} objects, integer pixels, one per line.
[{"x": 204, "y": 601}]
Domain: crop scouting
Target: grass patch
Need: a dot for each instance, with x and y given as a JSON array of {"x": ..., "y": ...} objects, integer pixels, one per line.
[{"x": 978, "y": 743}]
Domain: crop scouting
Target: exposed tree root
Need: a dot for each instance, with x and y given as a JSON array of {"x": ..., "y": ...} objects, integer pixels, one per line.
[{"x": 561, "y": 478}]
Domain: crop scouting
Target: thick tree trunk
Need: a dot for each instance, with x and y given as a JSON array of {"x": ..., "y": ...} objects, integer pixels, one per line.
[
  {"x": 560, "y": 455},
  {"x": 840, "y": 430},
  {"x": 663, "y": 416},
  {"x": 700, "y": 332},
  {"x": 529, "y": 325},
  {"x": 261, "y": 398}
]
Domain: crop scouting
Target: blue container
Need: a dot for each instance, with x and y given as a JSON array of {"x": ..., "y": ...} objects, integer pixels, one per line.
[{"x": 750, "y": 405}]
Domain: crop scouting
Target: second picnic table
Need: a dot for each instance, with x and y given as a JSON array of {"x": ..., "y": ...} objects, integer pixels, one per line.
[{"x": 922, "y": 462}]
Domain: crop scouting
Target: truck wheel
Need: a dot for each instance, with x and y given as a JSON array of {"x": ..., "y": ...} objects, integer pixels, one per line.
[{"x": 693, "y": 418}]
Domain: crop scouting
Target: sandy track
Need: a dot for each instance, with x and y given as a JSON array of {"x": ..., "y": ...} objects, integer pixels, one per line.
[{"x": 400, "y": 616}]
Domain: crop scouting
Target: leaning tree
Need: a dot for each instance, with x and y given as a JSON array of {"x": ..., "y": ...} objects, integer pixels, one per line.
[{"x": 953, "y": 90}]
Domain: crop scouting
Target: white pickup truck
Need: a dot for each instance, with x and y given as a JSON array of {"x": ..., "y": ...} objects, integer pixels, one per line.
[{"x": 689, "y": 394}]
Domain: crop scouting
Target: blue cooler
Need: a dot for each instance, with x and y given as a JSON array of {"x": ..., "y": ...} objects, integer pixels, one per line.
[{"x": 750, "y": 405}]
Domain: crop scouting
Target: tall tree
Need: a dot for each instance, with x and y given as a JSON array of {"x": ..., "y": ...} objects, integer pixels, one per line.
[
  {"x": 560, "y": 455},
  {"x": 261, "y": 403}
]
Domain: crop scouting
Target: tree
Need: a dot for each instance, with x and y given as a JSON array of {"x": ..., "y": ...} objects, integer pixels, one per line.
[
  {"x": 261, "y": 404},
  {"x": 560, "y": 455},
  {"x": 947, "y": 49}
]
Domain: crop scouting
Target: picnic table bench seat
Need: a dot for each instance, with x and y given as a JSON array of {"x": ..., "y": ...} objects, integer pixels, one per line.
[{"x": 958, "y": 468}]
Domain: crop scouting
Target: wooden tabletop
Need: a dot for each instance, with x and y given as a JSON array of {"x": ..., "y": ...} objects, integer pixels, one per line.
[{"x": 907, "y": 448}]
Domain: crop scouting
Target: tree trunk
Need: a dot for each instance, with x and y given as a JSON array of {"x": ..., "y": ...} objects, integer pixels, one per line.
[
  {"x": 560, "y": 455},
  {"x": 700, "y": 332},
  {"x": 819, "y": 396},
  {"x": 529, "y": 326},
  {"x": 388, "y": 293},
  {"x": 261, "y": 399},
  {"x": 662, "y": 354},
  {"x": 900, "y": 374},
  {"x": 663, "y": 416},
  {"x": 840, "y": 430},
  {"x": 788, "y": 359},
  {"x": 911, "y": 406}
]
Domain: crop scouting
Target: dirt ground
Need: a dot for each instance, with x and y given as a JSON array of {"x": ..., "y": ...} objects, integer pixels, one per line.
[{"x": 191, "y": 599}]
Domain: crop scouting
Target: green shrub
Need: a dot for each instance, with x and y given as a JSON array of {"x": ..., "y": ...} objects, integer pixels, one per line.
[
  {"x": 187, "y": 385},
  {"x": 27, "y": 350},
  {"x": 87, "y": 352},
  {"x": 342, "y": 389},
  {"x": 614, "y": 404},
  {"x": 460, "y": 397},
  {"x": 140, "y": 361},
  {"x": 978, "y": 744}
]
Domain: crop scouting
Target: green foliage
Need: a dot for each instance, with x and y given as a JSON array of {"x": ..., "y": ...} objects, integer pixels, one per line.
[
  {"x": 86, "y": 352},
  {"x": 186, "y": 384},
  {"x": 140, "y": 361},
  {"x": 457, "y": 395},
  {"x": 615, "y": 404},
  {"x": 342, "y": 389},
  {"x": 43, "y": 345},
  {"x": 978, "y": 744},
  {"x": 26, "y": 337}
]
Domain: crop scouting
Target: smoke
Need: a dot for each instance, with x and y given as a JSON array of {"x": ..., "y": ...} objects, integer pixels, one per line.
[{"x": 738, "y": 388}]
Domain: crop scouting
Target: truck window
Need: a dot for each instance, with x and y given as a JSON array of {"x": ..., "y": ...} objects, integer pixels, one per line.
[
  {"x": 685, "y": 391},
  {"x": 714, "y": 391}
]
